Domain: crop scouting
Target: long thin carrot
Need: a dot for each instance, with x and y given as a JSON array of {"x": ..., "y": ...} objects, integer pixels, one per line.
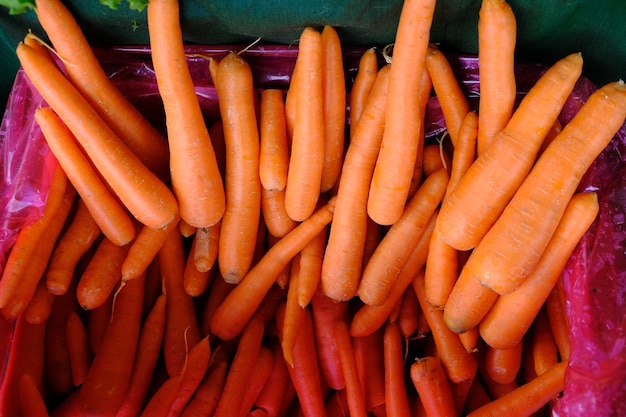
[
  {"x": 369, "y": 357},
  {"x": 271, "y": 396},
  {"x": 497, "y": 36},
  {"x": 431, "y": 383},
  {"x": 363, "y": 82},
  {"x": 396, "y": 400},
  {"x": 408, "y": 314},
  {"x": 381, "y": 271},
  {"x": 233, "y": 81},
  {"x": 240, "y": 304},
  {"x": 110, "y": 215},
  {"x": 559, "y": 323},
  {"x": 545, "y": 352},
  {"x": 537, "y": 207},
  {"x": 400, "y": 143},
  {"x": 354, "y": 391},
  {"x": 258, "y": 379},
  {"x": 204, "y": 402},
  {"x": 294, "y": 313},
  {"x": 274, "y": 152},
  {"x": 334, "y": 106},
  {"x": 311, "y": 258},
  {"x": 140, "y": 190},
  {"x": 501, "y": 330},
  {"x": 31, "y": 398},
  {"x": 78, "y": 346},
  {"x": 195, "y": 175},
  {"x": 343, "y": 259},
  {"x": 487, "y": 186},
  {"x": 307, "y": 145}
]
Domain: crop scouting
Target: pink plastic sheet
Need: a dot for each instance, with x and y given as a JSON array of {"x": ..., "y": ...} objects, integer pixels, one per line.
[{"x": 595, "y": 278}]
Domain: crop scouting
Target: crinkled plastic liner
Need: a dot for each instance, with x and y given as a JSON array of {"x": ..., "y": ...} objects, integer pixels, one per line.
[{"x": 595, "y": 278}]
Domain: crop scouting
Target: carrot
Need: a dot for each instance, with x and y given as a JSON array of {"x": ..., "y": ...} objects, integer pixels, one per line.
[
  {"x": 400, "y": 142},
  {"x": 217, "y": 291},
  {"x": 487, "y": 186},
  {"x": 75, "y": 241},
  {"x": 31, "y": 398},
  {"x": 537, "y": 207},
  {"x": 311, "y": 258},
  {"x": 442, "y": 270},
  {"x": 501, "y": 330},
  {"x": 529, "y": 397},
  {"x": 432, "y": 385},
  {"x": 245, "y": 357},
  {"x": 271, "y": 395},
  {"x": 544, "y": 348},
  {"x": 186, "y": 229},
  {"x": 343, "y": 259},
  {"x": 105, "y": 385},
  {"x": 369, "y": 357},
  {"x": 293, "y": 313},
  {"x": 258, "y": 378},
  {"x": 334, "y": 106},
  {"x": 195, "y": 282},
  {"x": 354, "y": 391},
  {"x": 477, "y": 396},
  {"x": 233, "y": 81},
  {"x": 305, "y": 374},
  {"x": 108, "y": 213},
  {"x": 206, "y": 241},
  {"x": 464, "y": 150},
  {"x": 381, "y": 271},
  {"x": 434, "y": 158},
  {"x": 408, "y": 316},
  {"x": 161, "y": 401},
  {"x": 274, "y": 213},
  {"x": 28, "y": 237},
  {"x": 80, "y": 357},
  {"x": 88, "y": 76},
  {"x": 396, "y": 400},
  {"x": 195, "y": 177},
  {"x": 497, "y": 35},
  {"x": 97, "y": 323},
  {"x": 274, "y": 152},
  {"x": 307, "y": 146},
  {"x": 40, "y": 305},
  {"x": 559, "y": 324},
  {"x": 459, "y": 364},
  {"x": 470, "y": 339},
  {"x": 240, "y": 304},
  {"x": 364, "y": 79},
  {"x": 454, "y": 104},
  {"x": 139, "y": 190},
  {"x": 503, "y": 365},
  {"x": 204, "y": 402}
]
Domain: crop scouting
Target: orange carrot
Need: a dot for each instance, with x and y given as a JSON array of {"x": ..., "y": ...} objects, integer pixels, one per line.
[
  {"x": 112, "y": 218},
  {"x": 362, "y": 86},
  {"x": 537, "y": 207},
  {"x": 205, "y": 400},
  {"x": 559, "y": 324},
  {"x": 258, "y": 378},
  {"x": 31, "y": 398},
  {"x": 470, "y": 339},
  {"x": 195, "y": 282},
  {"x": 273, "y": 392},
  {"x": 343, "y": 259},
  {"x": 40, "y": 304},
  {"x": 497, "y": 35},
  {"x": 196, "y": 180},
  {"x": 464, "y": 150},
  {"x": 529, "y": 397},
  {"x": 487, "y": 186},
  {"x": 381, "y": 271},
  {"x": 88, "y": 76},
  {"x": 544, "y": 349},
  {"x": 233, "y": 81},
  {"x": 274, "y": 152},
  {"x": 432, "y": 386},
  {"x": 503, "y": 365},
  {"x": 442, "y": 270},
  {"x": 307, "y": 145},
  {"x": 80, "y": 357},
  {"x": 400, "y": 142},
  {"x": 408, "y": 316},
  {"x": 274, "y": 213},
  {"x": 434, "y": 158},
  {"x": 396, "y": 400},
  {"x": 354, "y": 391},
  {"x": 477, "y": 396},
  {"x": 206, "y": 247},
  {"x": 334, "y": 106},
  {"x": 139, "y": 190},
  {"x": 369, "y": 357},
  {"x": 161, "y": 401},
  {"x": 240, "y": 304},
  {"x": 310, "y": 273},
  {"x": 501, "y": 330},
  {"x": 294, "y": 313}
]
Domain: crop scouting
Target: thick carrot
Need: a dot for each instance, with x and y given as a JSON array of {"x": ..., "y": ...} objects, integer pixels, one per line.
[
  {"x": 307, "y": 146},
  {"x": 31, "y": 398},
  {"x": 454, "y": 104},
  {"x": 529, "y": 397},
  {"x": 105, "y": 385},
  {"x": 503, "y": 365},
  {"x": 362, "y": 86},
  {"x": 274, "y": 213},
  {"x": 343, "y": 259},
  {"x": 78, "y": 346},
  {"x": 382, "y": 270},
  {"x": 75, "y": 241},
  {"x": 431, "y": 383},
  {"x": 497, "y": 35},
  {"x": 501, "y": 330},
  {"x": 400, "y": 142},
  {"x": 240, "y": 304},
  {"x": 88, "y": 76},
  {"x": 334, "y": 106},
  {"x": 106, "y": 210},
  {"x": 396, "y": 400},
  {"x": 233, "y": 81},
  {"x": 195, "y": 175},
  {"x": 140, "y": 190},
  {"x": 487, "y": 186},
  {"x": 274, "y": 152},
  {"x": 525, "y": 227},
  {"x": 354, "y": 391}
]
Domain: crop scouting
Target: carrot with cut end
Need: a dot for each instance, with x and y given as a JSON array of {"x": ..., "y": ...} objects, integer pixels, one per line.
[
  {"x": 138, "y": 188},
  {"x": 497, "y": 36},
  {"x": 239, "y": 227},
  {"x": 195, "y": 176},
  {"x": 343, "y": 259},
  {"x": 498, "y": 328},
  {"x": 513, "y": 246},
  {"x": 240, "y": 304},
  {"x": 363, "y": 81},
  {"x": 307, "y": 145},
  {"x": 431, "y": 383},
  {"x": 274, "y": 150},
  {"x": 334, "y": 107},
  {"x": 400, "y": 142},
  {"x": 488, "y": 185},
  {"x": 112, "y": 218}
]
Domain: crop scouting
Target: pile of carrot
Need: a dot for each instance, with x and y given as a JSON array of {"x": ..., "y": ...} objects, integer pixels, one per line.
[{"x": 309, "y": 253}]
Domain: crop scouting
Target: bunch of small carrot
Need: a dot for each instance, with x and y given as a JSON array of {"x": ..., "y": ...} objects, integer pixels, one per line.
[{"x": 309, "y": 253}]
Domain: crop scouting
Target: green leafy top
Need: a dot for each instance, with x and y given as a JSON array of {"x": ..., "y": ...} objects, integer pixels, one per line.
[
  {"x": 18, "y": 6},
  {"x": 138, "y": 5}
]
